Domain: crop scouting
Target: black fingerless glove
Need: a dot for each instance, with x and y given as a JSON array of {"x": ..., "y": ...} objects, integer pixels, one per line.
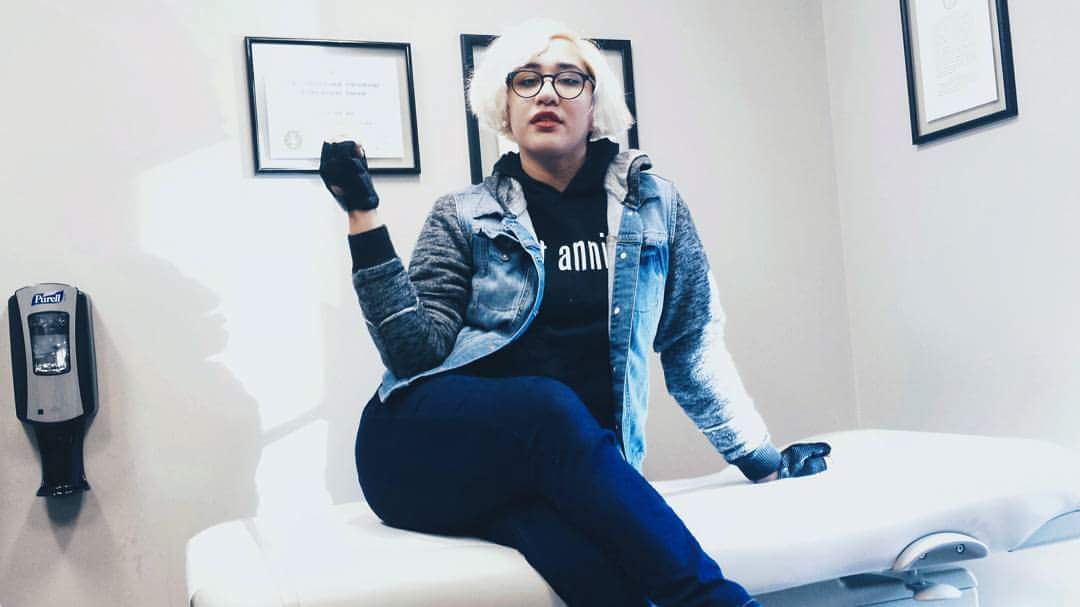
[
  {"x": 340, "y": 166},
  {"x": 803, "y": 459}
]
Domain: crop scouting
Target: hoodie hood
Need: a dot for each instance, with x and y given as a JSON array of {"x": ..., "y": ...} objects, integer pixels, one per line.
[{"x": 621, "y": 181}]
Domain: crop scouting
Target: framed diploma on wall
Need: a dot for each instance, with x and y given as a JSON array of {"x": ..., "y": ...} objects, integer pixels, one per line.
[
  {"x": 485, "y": 147},
  {"x": 959, "y": 65},
  {"x": 304, "y": 92}
]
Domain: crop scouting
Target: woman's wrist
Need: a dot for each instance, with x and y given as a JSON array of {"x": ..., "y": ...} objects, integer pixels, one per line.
[
  {"x": 363, "y": 221},
  {"x": 771, "y": 477},
  {"x": 761, "y": 462}
]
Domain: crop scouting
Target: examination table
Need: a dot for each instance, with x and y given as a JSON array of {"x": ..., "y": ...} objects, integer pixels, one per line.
[{"x": 886, "y": 524}]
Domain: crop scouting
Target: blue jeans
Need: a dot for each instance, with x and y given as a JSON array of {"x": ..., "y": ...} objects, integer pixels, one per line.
[{"x": 520, "y": 461}]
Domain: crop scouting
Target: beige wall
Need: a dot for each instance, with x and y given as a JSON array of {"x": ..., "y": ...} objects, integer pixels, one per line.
[
  {"x": 233, "y": 358},
  {"x": 960, "y": 255}
]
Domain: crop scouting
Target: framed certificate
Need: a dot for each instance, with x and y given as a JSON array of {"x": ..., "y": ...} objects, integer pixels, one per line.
[
  {"x": 485, "y": 147},
  {"x": 304, "y": 92},
  {"x": 959, "y": 65}
]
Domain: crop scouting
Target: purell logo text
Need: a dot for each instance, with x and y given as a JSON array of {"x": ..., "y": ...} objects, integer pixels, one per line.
[{"x": 47, "y": 298}]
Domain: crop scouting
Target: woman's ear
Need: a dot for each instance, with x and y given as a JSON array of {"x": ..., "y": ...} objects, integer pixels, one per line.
[{"x": 508, "y": 129}]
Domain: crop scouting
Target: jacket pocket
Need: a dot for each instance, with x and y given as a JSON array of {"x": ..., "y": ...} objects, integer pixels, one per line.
[{"x": 499, "y": 281}]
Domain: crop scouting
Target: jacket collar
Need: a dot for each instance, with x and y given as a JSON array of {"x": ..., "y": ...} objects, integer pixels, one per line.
[{"x": 622, "y": 180}]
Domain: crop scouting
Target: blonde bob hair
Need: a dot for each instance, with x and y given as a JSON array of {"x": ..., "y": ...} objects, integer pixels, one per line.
[{"x": 487, "y": 91}]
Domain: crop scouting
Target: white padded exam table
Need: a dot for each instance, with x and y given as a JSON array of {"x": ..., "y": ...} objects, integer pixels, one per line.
[{"x": 886, "y": 523}]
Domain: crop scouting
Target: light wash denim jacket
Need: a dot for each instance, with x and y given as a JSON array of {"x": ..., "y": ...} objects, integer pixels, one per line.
[{"x": 476, "y": 279}]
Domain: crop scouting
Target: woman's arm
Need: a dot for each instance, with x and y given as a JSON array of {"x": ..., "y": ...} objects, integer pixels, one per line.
[
  {"x": 698, "y": 369},
  {"x": 413, "y": 317}
]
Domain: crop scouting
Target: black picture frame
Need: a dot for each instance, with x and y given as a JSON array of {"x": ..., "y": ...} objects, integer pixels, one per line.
[
  {"x": 481, "y": 156},
  {"x": 264, "y": 53},
  {"x": 979, "y": 114}
]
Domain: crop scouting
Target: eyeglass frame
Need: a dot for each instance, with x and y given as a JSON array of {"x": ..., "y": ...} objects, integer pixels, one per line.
[{"x": 543, "y": 79}]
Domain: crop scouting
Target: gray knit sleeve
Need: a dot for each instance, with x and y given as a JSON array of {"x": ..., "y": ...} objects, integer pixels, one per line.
[{"x": 414, "y": 317}]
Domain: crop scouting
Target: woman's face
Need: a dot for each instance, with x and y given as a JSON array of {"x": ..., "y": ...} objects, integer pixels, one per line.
[{"x": 572, "y": 117}]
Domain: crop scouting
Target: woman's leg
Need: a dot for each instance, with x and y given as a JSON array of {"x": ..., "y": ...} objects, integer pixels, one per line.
[
  {"x": 455, "y": 451},
  {"x": 570, "y": 562}
]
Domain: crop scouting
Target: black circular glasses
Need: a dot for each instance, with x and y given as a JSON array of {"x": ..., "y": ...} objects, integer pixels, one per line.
[{"x": 568, "y": 84}]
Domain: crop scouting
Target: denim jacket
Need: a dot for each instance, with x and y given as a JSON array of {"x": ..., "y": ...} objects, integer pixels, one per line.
[{"x": 476, "y": 279}]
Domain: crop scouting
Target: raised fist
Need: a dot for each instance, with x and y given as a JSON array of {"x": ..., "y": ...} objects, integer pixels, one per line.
[{"x": 343, "y": 168}]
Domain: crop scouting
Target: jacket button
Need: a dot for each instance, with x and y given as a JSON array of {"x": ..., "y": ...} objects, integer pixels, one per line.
[
  {"x": 616, "y": 310},
  {"x": 622, "y": 255}
]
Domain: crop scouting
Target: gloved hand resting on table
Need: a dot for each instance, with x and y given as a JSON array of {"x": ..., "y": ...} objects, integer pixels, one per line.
[
  {"x": 343, "y": 168},
  {"x": 800, "y": 459},
  {"x": 803, "y": 459}
]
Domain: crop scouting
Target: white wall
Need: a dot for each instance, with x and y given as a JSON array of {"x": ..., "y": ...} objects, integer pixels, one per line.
[
  {"x": 233, "y": 358},
  {"x": 960, "y": 255},
  {"x": 749, "y": 145}
]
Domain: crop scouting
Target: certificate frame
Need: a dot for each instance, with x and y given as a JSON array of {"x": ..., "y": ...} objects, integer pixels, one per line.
[
  {"x": 267, "y": 57},
  {"x": 943, "y": 115},
  {"x": 484, "y": 145}
]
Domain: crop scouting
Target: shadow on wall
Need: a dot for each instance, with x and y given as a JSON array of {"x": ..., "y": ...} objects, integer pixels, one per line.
[
  {"x": 110, "y": 93},
  {"x": 348, "y": 386},
  {"x": 345, "y": 397},
  {"x": 149, "y": 201}
]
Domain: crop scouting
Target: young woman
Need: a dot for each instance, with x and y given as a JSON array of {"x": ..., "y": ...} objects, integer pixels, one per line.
[{"x": 514, "y": 398}]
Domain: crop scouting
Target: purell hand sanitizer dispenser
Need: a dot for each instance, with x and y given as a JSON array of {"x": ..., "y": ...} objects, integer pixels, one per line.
[{"x": 52, "y": 360}]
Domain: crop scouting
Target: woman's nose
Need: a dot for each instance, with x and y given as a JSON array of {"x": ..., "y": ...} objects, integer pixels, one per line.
[{"x": 547, "y": 89}]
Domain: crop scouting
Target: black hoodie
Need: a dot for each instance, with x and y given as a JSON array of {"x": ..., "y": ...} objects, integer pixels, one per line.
[{"x": 568, "y": 340}]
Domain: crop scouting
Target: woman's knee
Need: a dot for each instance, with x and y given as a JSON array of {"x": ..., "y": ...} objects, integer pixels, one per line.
[
  {"x": 554, "y": 409},
  {"x": 550, "y": 400}
]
